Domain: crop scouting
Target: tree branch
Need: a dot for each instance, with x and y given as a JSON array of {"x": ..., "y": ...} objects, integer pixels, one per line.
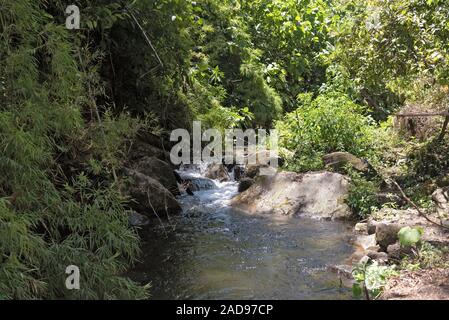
[{"x": 420, "y": 212}]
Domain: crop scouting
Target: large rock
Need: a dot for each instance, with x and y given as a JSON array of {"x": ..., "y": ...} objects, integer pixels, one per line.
[
  {"x": 197, "y": 184},
  {"x": 217, "y": 171},
  {"x": 245, "y": 184},
  {"x": 319, "y": 194},
  {"x": 148, "y": 195},
  {"x": 159, "y": 170},
  {"x": 140, "y": 149},
  {"x": 338, "y": 160},
  {"x": 387, "y": 234}
]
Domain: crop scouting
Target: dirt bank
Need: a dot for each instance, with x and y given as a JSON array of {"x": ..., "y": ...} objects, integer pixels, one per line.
[{"x": 430, "y": 284}]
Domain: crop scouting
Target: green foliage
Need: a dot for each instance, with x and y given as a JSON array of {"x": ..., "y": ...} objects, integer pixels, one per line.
[
  {"x": 426, "y": 256},
  {"x": 409, "y": 236},
  {"x": 386, "y": 46},
  {"x": 71, "y": 102},
  {"x": 227, "y": 118},
  {"x": 295, "y": 38},
  {"x": 362, "y": 197},
  {"x": 52, "y": 214},
  {"x": 329, "y": 123},
  {"x": 371, "y": 277}
]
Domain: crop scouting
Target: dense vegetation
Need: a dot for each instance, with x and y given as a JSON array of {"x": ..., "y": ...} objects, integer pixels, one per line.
[{"x": 327, "y": 73}]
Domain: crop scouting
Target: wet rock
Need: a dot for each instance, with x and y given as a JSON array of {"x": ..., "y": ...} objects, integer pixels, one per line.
[
  {"x": 217, "y": 171},
  {"x": 386, "y": 234},
  {"x": 196, "y": 183},
  {"x": 342, "y": 269},
  {"x": 137, "y": 220},
  {"x": 337, "y": 160},
  {"x": 318, "y": 194},
  {"x": 159, "y": 170},
  {"x": 245, "y": 184},
  {"x": 150, "y": 197}
]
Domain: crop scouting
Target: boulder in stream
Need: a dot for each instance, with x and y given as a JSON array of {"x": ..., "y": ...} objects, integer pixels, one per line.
[
  {"x": 159, "y": 170},
  {"x": 197, "y": 183},
  {"x": 319, "y": 195},
  {"x": 150, "y": 197},
  {"x": 217, "y": 171},
  {"x": 245, "y": 184},
  {"x": 140, "y": 149}
]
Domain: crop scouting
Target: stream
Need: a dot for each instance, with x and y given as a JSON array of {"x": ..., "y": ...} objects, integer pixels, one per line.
[{"x": 212, "y": 251}]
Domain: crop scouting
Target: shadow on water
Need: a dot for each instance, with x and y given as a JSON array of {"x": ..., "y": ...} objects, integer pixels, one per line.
[{"x": 214, "y": 252}]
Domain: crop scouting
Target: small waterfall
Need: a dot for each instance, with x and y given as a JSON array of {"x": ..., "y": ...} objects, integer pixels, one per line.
[{"x": 212, "y": 251}]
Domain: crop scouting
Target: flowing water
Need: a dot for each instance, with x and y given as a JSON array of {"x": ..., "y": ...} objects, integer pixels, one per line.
[{"x": 212, "y": 251}]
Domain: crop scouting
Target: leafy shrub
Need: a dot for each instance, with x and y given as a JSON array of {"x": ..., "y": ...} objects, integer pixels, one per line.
[
  {"x": 409, "y": 236},
  {"x": 362, "y": 194},
  {"x": 227, "y": 118},
  {"x": 52, "y": 214},
  {"x": 329, "y": 123},
  {"x": 371, "y": 277},
  {"x": 426, "y": 256}
]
